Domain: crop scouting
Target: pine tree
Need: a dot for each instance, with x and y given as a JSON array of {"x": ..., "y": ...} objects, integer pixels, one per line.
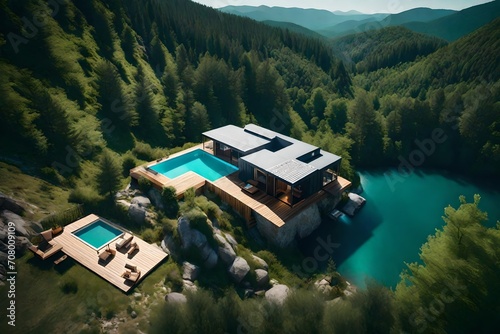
[{"x": 108, "y": 178}]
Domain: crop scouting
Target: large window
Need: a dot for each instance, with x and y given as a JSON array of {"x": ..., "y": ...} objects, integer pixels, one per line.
[{"x": 328, "y": 176}]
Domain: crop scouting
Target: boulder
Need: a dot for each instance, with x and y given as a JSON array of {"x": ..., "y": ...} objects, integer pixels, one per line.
[
  {"x": 20, "y": 223},
  {"x": 189, "y": 286},
  {"x": 22, "y": 245},
  {"x": 3, "y": 259},
  {"x": 239, "y": 269},
  {"x": 123, "y": 203},
  {"x": 10, "y": 204},
  {"x": 211, "y": 260},
  {"x": 323, "y": 286},
  {"x": 262, "y": 278},
  {"x": 3, "y": 247},
  {"x": 225, "y": 251},
  {"x": 353, "y": 205},
  {"x": 190, "y": 271},
  {"x": 185, "y": 232},
  {"x": 137, "y": 213},
  {"x": 155, "y": 197},
  {"x": 175, "y": 297},
  {"x": 260, "y": 262},
  {"x": 277, "y": 294},
  {"x": 142, "y": 201},
  {"x": 231, "y": 240}
]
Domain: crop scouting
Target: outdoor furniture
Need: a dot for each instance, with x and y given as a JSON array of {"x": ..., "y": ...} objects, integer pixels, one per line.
[
  {"x": 61, "y": 259},
  {"x": 249, "y": 188},
  {"x": 131, "y": 267},
  {"x": 47, "y": 247},
  {"x": 253, "y": 182},
  {"x": 131, "y": 276},
  {"x": 124, "y": 240},
  {"x": 133, "y": 247},
  {"x": 106, "y": 254}
]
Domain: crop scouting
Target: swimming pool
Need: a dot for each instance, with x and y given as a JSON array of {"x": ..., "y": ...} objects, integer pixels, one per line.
[
  {"x": 198, "y": 161},
  {"x": 97, "y": 234}
]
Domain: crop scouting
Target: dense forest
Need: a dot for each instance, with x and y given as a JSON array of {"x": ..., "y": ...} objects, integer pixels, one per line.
[{"x": 87, "y": 86}]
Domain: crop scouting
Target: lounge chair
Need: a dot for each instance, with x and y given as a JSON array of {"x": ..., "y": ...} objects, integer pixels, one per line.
[
  {"x": 106, "y": 254},
  {"x": 131, "y": 267},
  {"x": 47, "y": 247},
  {"x": 133, "y": 247},
  {"x": 131, "y": 276},
  {"x": 249, "y": 188},
  {"x": 124, "y": 240}
]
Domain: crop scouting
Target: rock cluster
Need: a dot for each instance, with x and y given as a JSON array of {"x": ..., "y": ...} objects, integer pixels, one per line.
[{"x": 11, "y": 223}]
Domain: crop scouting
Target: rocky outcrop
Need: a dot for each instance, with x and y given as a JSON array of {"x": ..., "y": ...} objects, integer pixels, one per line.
[
  {"x": 142, "y": 201},
  {"x": 175, "y": 297},
  {"x": 277, "y": 294},
  {"x": 190, "y": 271},
  {"x": 189, "y": 286},
  {"x": 353, "y": 205},
  {"x": 225, "y": 251},
  {"x": 261, "y": 264},
  {"x": 137, "y": 213},
  {"x": 193, "y": 238},
  {"x": 7, "y": 203},
  {"x": 155, "y": 197},
  {"x": 262, "y": 278},
  {"x": 239, "y": 269},
  {"x": 23, "y": 228}
]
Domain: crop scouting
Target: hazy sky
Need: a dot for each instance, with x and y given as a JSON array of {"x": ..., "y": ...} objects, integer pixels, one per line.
[{"x": 365, "y": 6}]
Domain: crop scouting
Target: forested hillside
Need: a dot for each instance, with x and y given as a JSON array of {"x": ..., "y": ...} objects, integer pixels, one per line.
[
  {"x": 375, "y": 49},
  {"x": 125, "y": 75}
]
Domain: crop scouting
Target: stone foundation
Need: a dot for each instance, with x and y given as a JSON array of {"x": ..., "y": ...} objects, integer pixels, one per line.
[{"x": 299, "y": 226}]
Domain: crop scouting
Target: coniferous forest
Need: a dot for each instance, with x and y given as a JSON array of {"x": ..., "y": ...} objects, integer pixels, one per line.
[{"x": 105, "y": 85}]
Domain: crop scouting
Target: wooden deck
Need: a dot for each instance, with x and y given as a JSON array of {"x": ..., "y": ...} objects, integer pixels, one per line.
[
  {"x": 228, "y": 188},
  {"x": 274, "y": 210},
  {"x": 146, "y": 258},
  {"x": 181, "y": 183}
]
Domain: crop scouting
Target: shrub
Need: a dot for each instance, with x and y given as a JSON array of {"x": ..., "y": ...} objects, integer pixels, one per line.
[
  {"x": 84, "y": 195},
  {"x": 129, "y": 162},
  {"x": 144, "y": 184},
  {"x": 169, "y": 196},
  {"x": 169, "y": 225},
  {"x": 189, "y": 200},
  {"x": 144, "y": 151},
  {"x": 198, "y": 220},
  {"x": 69, "y": 286},
  {"x": 173, "y": 278},
  {"x": 152, "y": 235}
]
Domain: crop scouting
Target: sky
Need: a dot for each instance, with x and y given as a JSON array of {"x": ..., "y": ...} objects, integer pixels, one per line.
[{"x": 364, "y": 6}]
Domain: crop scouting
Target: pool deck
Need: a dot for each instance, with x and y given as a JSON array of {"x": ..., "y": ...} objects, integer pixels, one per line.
[
  {"x": 229, "y": 189},
  {"x": 181, "y": 183},
  {"x": 146, "y": 258}
]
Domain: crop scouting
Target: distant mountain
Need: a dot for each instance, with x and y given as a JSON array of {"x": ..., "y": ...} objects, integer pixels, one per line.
[
  {"x": 351, "y": 12},
  {"x": 375, "y": 49},
  {"x": 416, "y": 15},
  {"x": 313, "y": 19},
  {"x": 459, "y": 24},
  {"x": 294, "y": 28},
  {"x": 378, "y": 21}
]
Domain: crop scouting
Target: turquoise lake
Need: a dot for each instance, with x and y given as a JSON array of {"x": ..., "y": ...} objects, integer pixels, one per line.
[{"x": 396, "y": 220}]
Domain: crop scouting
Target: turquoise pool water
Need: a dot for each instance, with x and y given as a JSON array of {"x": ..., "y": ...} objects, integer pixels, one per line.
[
  {"x": 390, "y": 229},
  {"x": 97, "y": 234},
  {"x": 198, "y": 161}
]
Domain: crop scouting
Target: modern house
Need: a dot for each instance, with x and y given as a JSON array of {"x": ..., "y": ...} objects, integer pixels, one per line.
[
  {"x": 281, "y": 166},
  {"x": 277, "y": 183}
]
